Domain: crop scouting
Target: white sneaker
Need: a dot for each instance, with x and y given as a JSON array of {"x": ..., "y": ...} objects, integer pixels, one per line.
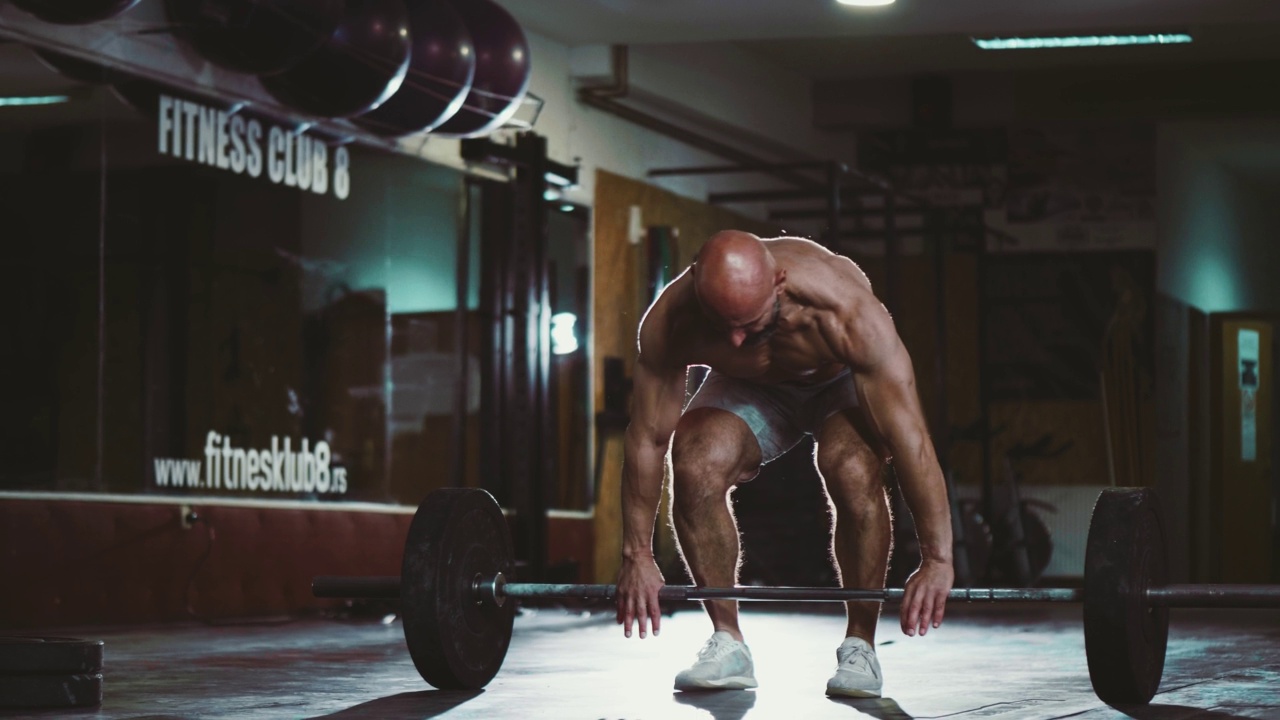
[
  {"x": 723, "y": 664},
  {"x": 858, "y": 673}
]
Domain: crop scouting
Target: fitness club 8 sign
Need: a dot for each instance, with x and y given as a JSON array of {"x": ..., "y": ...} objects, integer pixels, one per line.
[{"x": 243, "y": 145}]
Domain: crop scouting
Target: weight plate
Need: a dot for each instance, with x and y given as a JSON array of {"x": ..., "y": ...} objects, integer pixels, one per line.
[
  {"x": 46, "y": 655},
  {"x": 456, "y": 641},
  {"x": 1124, "y": 637},
  {"x": 50, "y": 691}
]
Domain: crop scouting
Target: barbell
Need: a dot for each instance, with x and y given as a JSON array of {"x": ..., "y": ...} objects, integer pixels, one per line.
[{"x": 457, "y": 621}]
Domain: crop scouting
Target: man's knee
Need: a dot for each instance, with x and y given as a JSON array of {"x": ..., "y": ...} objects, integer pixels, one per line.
[
  {"x": 711, "y": 451},
  {"x": 712, "y": 443}
]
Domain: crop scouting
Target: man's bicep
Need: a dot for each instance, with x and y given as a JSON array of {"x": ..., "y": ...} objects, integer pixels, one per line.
[
  {"x": 885, "y": 375},
  {"x": 889, "y": 391}
]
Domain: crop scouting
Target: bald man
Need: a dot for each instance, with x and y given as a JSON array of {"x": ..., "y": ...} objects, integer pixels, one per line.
[{"x": 797, "y": 344}]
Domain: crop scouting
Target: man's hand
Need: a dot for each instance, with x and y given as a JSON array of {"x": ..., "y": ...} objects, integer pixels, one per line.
[
  {"x": 639, "y": 581},
  {"x": 925, "y": 598}
]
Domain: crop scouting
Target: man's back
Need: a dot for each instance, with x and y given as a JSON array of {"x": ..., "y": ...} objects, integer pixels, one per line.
[{"x": 825, "y": 290}]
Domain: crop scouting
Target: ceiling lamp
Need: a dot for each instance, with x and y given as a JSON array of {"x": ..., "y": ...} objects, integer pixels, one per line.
[
  {"x": 1081, "y": 41},
  {"x": 33, "y": 100}
]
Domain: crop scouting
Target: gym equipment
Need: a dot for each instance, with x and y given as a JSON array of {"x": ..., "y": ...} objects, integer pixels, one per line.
[
  {"x": 1125, "y": 633},
  {"x": 454, "y": 640},
  {"x": 260, "y": 37},
  {"x": 50, "y": 672},
  {"x": 49, "y": 655},
  {"x": 50, "y": 691},
  {"x": 458, "y": 620},
  {"x": 356, "y": 68},
  {"x": 502, "y": 71},
  {"x": 441, "y": 68},
  {"x": 74, "y": 12}
]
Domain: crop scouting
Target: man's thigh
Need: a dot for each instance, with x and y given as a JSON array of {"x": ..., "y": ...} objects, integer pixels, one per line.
[
  {"x": 850, "y": 457},
  {"x": 768, "y": 411}
]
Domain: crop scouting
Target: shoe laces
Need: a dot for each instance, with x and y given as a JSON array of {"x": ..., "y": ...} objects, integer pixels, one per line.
[
  {"x": 857, "y": 657},
  {"x": 716, "y": 648}
]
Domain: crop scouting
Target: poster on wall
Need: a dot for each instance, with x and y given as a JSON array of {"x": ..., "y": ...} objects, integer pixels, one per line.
[
  {"x": 1078, "y": 188},
  {"x": 960, "y": 173}
]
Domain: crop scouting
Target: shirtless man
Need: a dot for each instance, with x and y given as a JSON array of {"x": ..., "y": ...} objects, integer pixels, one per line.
[{"x": 797, "y": 343}]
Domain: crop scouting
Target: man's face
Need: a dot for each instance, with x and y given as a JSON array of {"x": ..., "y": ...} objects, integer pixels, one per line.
[
  {"x": 762, "y": 335},
  {"x": 759, "y": 330}
]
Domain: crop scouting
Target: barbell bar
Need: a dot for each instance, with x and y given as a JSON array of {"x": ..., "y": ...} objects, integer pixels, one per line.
[
  {"x": 457, "y": 623},
  {"x": 497, "y": 589}
]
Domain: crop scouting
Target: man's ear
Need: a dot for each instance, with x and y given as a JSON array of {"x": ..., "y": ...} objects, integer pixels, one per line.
[{"x": 780, "y": 277}]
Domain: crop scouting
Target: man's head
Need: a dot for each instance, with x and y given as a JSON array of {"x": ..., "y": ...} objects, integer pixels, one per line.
[{"x": 739, "y": 285}]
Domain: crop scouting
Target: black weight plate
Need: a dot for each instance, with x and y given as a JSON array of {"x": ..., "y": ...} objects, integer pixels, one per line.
[
  {"x": 1124, "y": 637},
  {"x": 456, "y": 641},
  {"x": 50, "y": 691},
  {"x": 46, "y": 655}
]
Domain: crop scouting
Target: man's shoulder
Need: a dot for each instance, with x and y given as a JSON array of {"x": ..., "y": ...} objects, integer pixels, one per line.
[
  {"x": 667, "y": 319},
  {"x": 670, "y": 303},
  {"x": 791, "y": 244},
  {"x": 830, "y": 281}
]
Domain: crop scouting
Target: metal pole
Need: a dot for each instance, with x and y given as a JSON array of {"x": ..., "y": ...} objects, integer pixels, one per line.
[
  {"x": 892, "y": 256},
  {"x": 462, "y": 280},
  {"x": 832, "y": 237},
  {"x": 741, "y": 168},
  {"x": 1183, "y": 596},
  {"x": 984, "y": 382},
  {"x": 1215, "y": 596},
  {"x": 389, "y": 588},
  {"x": 804, "y": 594}
]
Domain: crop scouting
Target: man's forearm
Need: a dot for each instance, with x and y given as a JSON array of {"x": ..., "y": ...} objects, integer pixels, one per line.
[
  {"x": 642, "y": 474},
  {"x": 925, "y": 491}
]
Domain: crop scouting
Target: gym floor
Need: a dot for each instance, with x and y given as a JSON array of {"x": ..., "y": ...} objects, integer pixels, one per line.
[{"x": 985, "y": 662}]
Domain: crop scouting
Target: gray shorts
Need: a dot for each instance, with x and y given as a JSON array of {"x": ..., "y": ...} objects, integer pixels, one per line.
[{"x": 779, "y": 415}]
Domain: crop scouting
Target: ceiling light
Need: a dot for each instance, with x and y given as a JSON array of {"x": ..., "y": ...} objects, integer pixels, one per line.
[
  {"x": 1080, "y": 41},
  {"x": 560, "y": 180},
  {"x": 865, "y": 3},
  {"x": 33, "y": 100},
  {"x": 563, "y": 338}
]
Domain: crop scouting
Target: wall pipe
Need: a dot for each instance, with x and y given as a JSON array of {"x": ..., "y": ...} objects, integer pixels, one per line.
[{"x": 606, "y": 98}]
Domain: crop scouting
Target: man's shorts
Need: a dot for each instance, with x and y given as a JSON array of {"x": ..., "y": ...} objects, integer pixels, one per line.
[{"x": 779, "y": 415}]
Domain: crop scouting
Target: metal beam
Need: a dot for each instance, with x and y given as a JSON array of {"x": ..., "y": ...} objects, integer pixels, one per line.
[
  {"x": 845, "y": 211},
  {"x": 742, "y": 168},
  {"x": 765, "y": 195}
]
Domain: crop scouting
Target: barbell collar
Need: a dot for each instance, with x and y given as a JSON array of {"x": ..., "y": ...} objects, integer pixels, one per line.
[{"x": 490, "y": 589}]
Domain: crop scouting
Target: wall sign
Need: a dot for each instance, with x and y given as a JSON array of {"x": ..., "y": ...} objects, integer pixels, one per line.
[
  {"x": 281, "y": 468},
  {"x": 246, "y": 146}
]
